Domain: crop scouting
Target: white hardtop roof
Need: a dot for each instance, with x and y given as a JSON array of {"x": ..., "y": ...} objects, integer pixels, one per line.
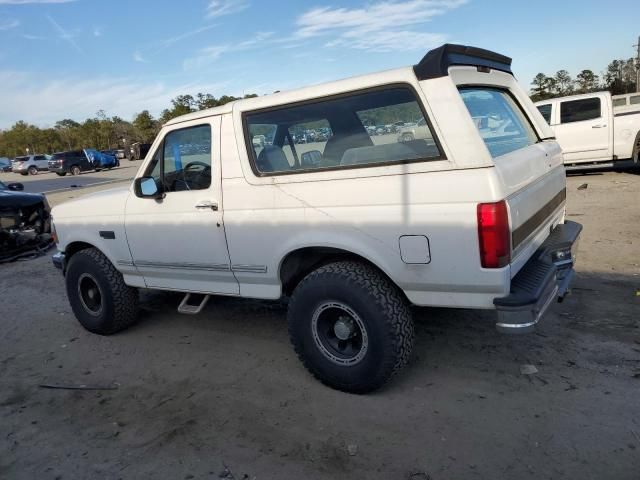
[{"x": 329, "y": 88}]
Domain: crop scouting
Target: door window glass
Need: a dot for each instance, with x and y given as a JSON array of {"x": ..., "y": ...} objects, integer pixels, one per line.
[
  {"x": 500, "y": 121},
  {"x": 634, "y": 100},
  {"x": 183, "y": 161},
  {"x": 545, "y": 110},
  {"x": 579, "y": 110}
]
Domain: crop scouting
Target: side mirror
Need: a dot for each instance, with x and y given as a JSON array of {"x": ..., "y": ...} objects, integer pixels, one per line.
[
  {"x": 311, "y": 159},
  {"x": 16, "y": 187},
  {"x": 146, "y": 187}
]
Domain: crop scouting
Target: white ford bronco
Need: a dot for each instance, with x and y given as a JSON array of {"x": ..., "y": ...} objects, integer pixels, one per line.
[{"x": 352, "y": 226}]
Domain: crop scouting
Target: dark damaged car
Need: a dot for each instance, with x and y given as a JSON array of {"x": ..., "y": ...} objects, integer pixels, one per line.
[{"x": 25, "y": 223}]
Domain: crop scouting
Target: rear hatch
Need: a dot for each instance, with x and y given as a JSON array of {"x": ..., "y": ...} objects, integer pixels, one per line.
[{"x": 529, "y": 167}]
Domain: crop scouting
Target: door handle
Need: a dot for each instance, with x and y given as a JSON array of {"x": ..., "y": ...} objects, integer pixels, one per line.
[
  {"x": 598, "y": 126},
  {"x": 207, "y": 204}
]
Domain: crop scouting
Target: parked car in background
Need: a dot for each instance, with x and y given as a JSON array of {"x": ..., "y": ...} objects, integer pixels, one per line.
[
  {"x": 73, "y": 162},
  {"x": 137, "y": 151},
  {"x": 418, "y": 131},
  {"x": 30, "y": 164},
  {"x": 101, "y": 160},
  {"x": 353, "y": 232},
  {"x": 5, "y": 164},
  {"x": 25, "y": 222},
  {"x": 591, "y": 133},
  {"x": 258, "y": 141}
]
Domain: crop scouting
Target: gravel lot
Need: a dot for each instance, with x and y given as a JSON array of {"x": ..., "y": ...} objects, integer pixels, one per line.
[{"x": 222, "y": 395}]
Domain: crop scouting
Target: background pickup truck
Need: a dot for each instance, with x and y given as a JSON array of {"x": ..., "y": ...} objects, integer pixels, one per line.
[{"x": 591, "y": 133}]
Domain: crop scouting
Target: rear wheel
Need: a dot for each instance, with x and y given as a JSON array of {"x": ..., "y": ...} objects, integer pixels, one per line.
[
  {"x": 75, "y": 170},
  {"x": 99, "y": 298},
  {"x": 350, "y": 326},
  {"x": 407, "y": 137},
  {"x": 33, "y": 171}
]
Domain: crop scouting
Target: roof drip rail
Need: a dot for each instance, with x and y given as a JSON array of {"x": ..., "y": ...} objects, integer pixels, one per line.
[{"x": 436, "y": 62}]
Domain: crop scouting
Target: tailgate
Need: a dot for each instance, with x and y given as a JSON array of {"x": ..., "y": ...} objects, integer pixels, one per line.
[
  {"x": 530, "y": 171},
  {"x": 536, "y": 202}
]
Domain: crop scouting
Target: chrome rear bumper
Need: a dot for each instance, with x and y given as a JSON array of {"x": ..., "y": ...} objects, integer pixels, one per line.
[{"x": 546, "y": 277}]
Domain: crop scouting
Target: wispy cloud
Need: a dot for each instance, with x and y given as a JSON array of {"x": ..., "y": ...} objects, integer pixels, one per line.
[
  {"x": 208, "y": 55},
  {"x": 219, "y": 8},
  {"x": 143, "y": 54},
  {"x": 29, "y": 36},
  {"x": 8, "y": 24},
  {"x": 97, "y": 31},
  {"x": 64, "y": 34},
  {"x": 24, "y": 96},
  {"x": 382, "y": 26},
  {"x": 28, "y": 2},
  {"x": 137, "y": 57}
]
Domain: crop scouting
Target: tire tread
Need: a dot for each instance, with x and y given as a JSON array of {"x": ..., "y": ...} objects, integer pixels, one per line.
[{"x": 397, "y": 315}]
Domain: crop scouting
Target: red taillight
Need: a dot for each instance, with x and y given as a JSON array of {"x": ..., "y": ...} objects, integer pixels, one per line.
[{"x": 493, "y": 234}]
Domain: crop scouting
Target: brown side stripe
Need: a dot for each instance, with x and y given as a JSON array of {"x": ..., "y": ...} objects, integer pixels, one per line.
[{"x": 527, "y": 228}]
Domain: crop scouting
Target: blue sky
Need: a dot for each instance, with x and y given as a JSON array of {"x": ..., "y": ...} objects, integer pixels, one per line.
[{"x": 70, "y": 58}]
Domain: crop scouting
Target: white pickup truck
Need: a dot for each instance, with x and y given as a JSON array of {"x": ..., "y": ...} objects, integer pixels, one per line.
[
  {"x": 352, "y": 228},
  {"x": 592, "y": 133}
]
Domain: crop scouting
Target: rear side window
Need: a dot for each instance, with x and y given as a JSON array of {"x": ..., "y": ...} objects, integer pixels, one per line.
[
  {"x": 545, "y": 110},
  {"x": 634, "y": 100},
  {"x": 619, "y": 102},
  {"x": 382, "y": 126},
  {"x": 501, "y": 122},
  {"x": 579, "y": 110}
]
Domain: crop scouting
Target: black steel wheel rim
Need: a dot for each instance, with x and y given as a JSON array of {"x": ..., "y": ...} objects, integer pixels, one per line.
[
  {"x": 339, "y": 333},
  {"x": 90, "y": 294}
]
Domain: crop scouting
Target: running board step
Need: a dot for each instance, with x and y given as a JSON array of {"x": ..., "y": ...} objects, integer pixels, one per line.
[{"x": 189, "y": 309}]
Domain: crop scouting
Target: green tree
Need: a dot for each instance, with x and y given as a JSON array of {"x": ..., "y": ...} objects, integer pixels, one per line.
[
  {"x": 145, "y": 126},
  {"x": 587, "y": 81},
  {"x": 206, "y": 100},
  {"x": 564, "y": 82}
]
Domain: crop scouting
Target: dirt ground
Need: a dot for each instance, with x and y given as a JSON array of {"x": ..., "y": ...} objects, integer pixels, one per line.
[{"x": 222, "y": 395}]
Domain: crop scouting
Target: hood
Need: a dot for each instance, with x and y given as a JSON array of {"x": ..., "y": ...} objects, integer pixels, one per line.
[
  {"x": 11, "y": 199},
  {"x": 105, "y": 202}
]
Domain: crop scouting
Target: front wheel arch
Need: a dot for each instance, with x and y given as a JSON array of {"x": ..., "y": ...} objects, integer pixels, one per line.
[{"x": 75, "y": 247}]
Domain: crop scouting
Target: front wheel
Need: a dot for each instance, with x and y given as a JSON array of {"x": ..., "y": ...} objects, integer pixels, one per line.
[
  {"x": 99, "y": 298},
  {"x": 350, "y": 326},
  {"x": 33, "y": 171},
  {"x": 75, "y": 170}
]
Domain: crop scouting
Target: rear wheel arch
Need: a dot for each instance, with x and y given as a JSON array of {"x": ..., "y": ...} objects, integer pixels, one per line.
[{"x": 299, "y": 263}]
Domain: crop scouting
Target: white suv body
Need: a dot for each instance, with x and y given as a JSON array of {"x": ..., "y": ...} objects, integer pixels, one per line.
[{"x": 449, "y": 220}]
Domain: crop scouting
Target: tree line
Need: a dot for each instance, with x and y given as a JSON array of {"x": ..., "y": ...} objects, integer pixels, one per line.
[
  {"x": 618, "y": 78},
  {"x": 101, "y": 132}
]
